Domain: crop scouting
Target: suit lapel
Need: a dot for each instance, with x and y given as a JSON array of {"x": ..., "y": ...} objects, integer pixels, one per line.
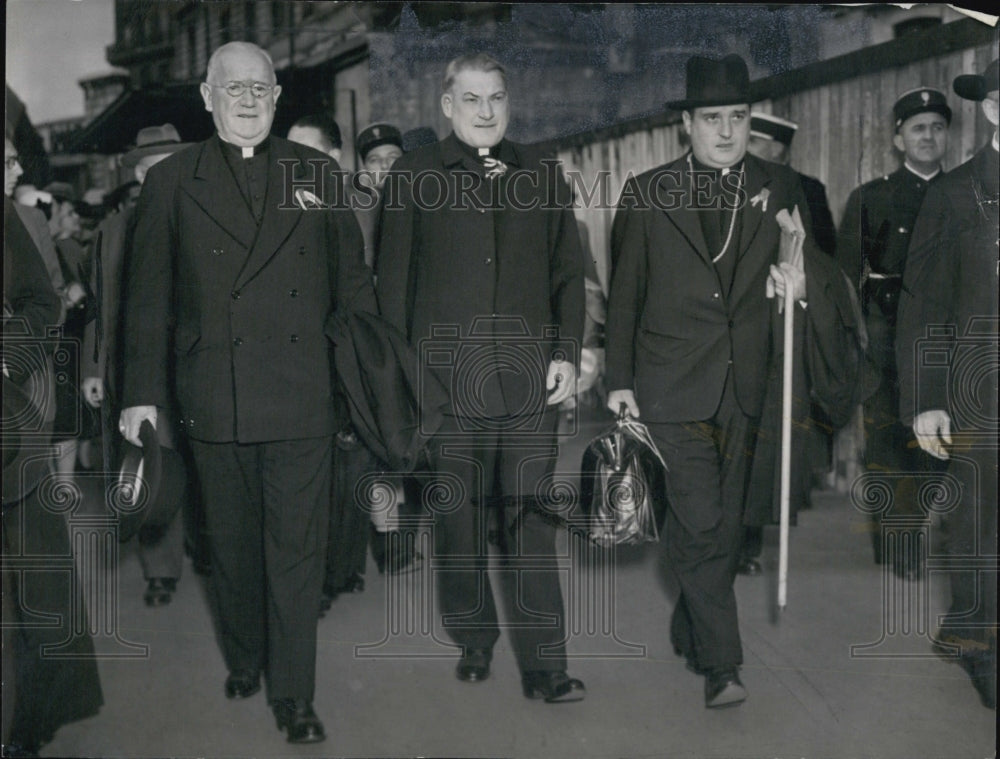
[
  {"x": 214, "y": 188},
  {"x": 279, "y": 221},
  {"x": 685, "y": 219},
  {"x": 757, "y": 179}
]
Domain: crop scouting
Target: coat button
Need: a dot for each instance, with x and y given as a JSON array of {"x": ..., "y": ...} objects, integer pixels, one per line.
[
  {"x": 235, "y": 294},
  {"x": 190, "y": 422},
  {"x": 293, "y": 339},
  {"x": 488, "y": 261},
  {"x": 293, "y": 293},
  {"x": 715, "y": 295},
  {"x": 237, "y": 341},
  {"x": 481, "y": 210},
  {"x": 302, "y": 250},
  {"x": 902, "y": 230},
  {"x": 217, "y": 251}
]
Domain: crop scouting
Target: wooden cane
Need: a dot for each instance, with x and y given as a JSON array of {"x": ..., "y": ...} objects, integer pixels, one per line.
[{"x": 786, "y": 448}]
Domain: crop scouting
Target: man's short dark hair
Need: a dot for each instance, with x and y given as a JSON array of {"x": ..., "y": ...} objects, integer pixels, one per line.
[
  {"x": 476, "y": 62},
  {"x": 326, "y": 125}
]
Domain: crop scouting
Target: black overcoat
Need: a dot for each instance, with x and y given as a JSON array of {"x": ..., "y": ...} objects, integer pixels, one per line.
[
  {"x": 248, "y": 308},
  {"x": 512, "y": 244}
]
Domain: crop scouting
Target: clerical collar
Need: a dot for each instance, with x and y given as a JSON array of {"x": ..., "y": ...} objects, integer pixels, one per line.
[
  {"x": 247, "y": 152},
  {"x": 925, "y": 177},
  {"x": 996, "y": 141},
  {"x": 478, "y": 153},
  {"x": 697, "y": 165}
]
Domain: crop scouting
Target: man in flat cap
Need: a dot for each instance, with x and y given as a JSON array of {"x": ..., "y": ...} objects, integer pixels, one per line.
[
  {"x": 160, "y": 551},
  {"x": 689, "y": 342},
  {"x": 874, "y": 235},
  {"x": 947, "y": 353}
]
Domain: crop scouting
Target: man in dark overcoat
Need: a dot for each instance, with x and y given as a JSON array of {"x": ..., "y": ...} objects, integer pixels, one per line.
[
  {"x": 875, "y": 232},
  {"x": 236, "y": 257},
  {"x": 479, "y": 265},
  {"x": 946, "y": 348},
  {"x": 689, "y": 336},
  {"x": 160, "y": 550}
]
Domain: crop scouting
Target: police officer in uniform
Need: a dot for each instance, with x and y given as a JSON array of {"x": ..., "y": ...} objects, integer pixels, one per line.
[{"x": 871, "y": 246}]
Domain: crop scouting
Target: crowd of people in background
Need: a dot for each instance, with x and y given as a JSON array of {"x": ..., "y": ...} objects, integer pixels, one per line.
[{"x": 197, "y": 318}]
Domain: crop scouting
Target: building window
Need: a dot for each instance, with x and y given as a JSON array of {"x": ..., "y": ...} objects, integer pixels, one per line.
[
  {"x": 277, "y": 17},
  {"x": 249, "y": 22},
  {"x": 225, "y": 26},
  {"x": 915, "y": 25}
]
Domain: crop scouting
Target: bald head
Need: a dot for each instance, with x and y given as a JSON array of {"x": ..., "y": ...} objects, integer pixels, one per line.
[
  {"x": 239, "y": 50},
  {"x": 240, "y": 92}
]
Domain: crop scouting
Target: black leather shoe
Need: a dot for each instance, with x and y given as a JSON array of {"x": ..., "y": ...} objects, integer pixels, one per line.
[
  {"x": 242, "y": 683},
  {"x": 723, "y": 688},
  {"x": 297, "y": 718},
  {"x": 749, "y": 567},
  {"x": 474, "y": 666},
  {"x": 159, "y": 591},
  {"x": 556, "y": 687}
]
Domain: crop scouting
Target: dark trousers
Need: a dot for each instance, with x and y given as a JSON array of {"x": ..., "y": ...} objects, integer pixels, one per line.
[
  {"x": 971, "y": 538},
  {"x": 890, "y": 446},
  {"x": 707, "y": 466},
  {"x": 495, "y": 476},
  {"x": 350, "y": 518},
  {"x": 267, "y": 510}
]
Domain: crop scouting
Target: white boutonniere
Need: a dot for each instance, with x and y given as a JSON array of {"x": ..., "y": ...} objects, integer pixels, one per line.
[
  {"x": 761, "y": 197},
  {"x": 307, "y": 200}
]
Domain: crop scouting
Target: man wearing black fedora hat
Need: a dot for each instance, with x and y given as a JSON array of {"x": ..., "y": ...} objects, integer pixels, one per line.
[
  {"x": 160, "y": 547},
  {"x": 689, "y": 335},
  {"x": 874, "y": 235},
  {"x": 948, "y": 383}
]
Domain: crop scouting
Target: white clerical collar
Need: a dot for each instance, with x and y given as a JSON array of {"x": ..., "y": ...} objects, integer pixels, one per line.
[
  {"x": 925, "y": 177},
  {"x": 996, "y": 141},
  {"x": 249, "y": 151}
]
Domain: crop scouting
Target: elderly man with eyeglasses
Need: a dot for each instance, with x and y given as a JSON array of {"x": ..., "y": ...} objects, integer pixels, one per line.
[{"x": 238, "y": 259}]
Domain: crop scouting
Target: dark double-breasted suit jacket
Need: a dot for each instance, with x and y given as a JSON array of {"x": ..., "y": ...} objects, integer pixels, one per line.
[
  {"x": 673, "y": 326},
  {"x": 247, "y": 303},
  {"x": 496, "y": 280}
]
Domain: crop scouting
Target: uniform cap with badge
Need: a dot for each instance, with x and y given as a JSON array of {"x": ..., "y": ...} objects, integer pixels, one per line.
[
  {"x": 377, "y": 134},
  {"x": 766, "y": 126},
  {"x": 920, "y": 100}
]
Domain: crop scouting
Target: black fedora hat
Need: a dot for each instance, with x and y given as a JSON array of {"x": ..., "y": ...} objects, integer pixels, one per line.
[
  {"x": 975, "y": 86},
  {"x": 714, "y": 82},
  {"x": 150, "y": 485}
]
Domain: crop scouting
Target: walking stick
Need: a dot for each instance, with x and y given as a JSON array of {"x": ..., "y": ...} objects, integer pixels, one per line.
[
  {"x": 786, "y": 448},
  {"x": 792, "y": 238}
]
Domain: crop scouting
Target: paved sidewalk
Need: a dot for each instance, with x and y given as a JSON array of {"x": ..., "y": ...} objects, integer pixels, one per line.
[{"x": 386, "y": 685}]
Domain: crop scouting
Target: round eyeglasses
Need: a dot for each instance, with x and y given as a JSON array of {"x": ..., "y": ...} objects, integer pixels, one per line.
[{"x": 236, "y": 89}]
